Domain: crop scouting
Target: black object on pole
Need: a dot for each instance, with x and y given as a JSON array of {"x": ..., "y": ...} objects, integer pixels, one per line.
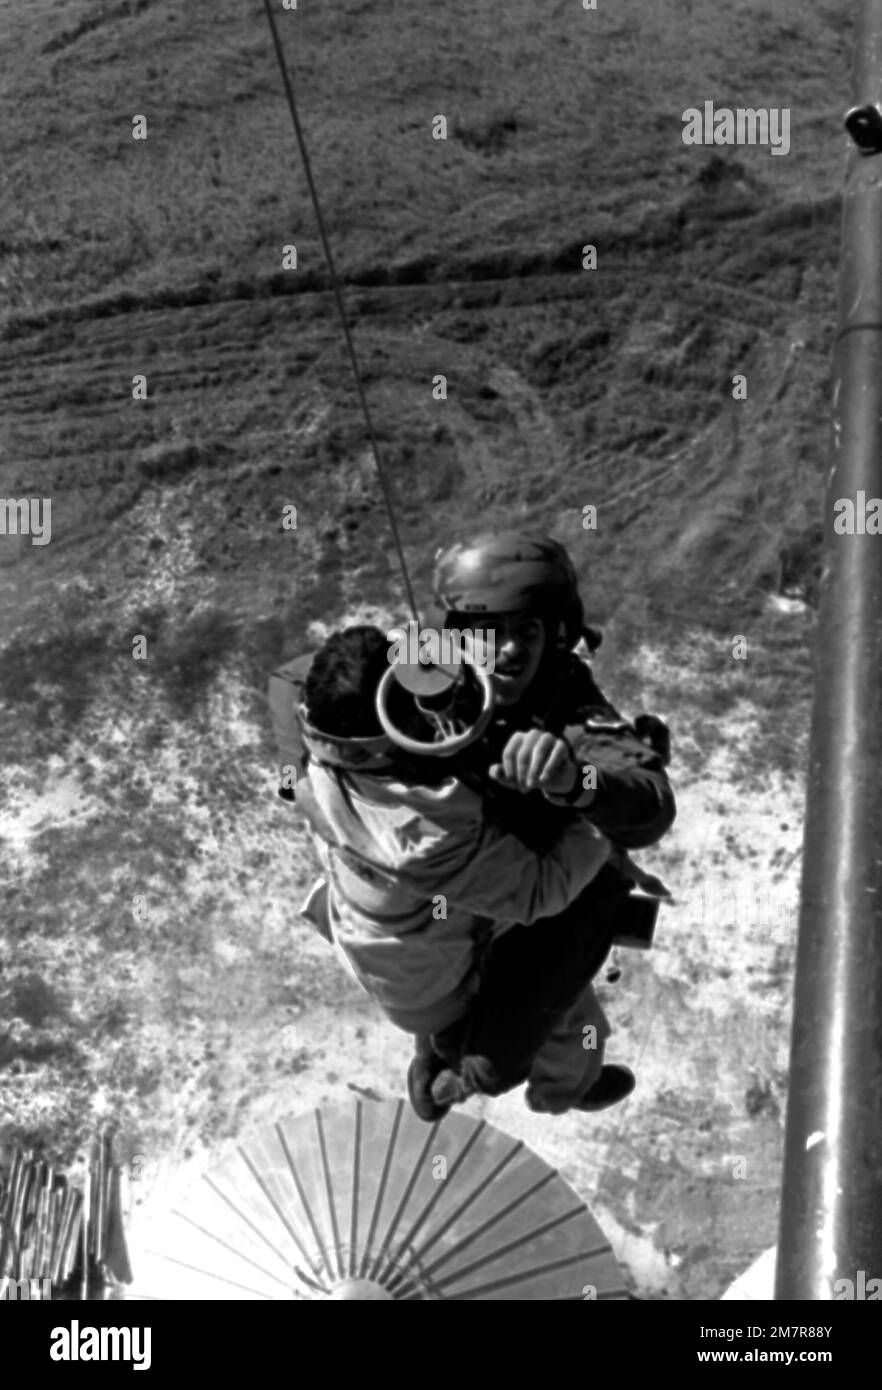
[{"x": 831, "y": 1205}]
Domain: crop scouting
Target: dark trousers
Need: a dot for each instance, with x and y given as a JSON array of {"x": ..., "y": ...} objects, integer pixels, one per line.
[{"x": 530, "y": 977}]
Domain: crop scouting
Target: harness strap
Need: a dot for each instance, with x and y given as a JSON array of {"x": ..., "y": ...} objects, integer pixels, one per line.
[{"x": 354, "y": 856}]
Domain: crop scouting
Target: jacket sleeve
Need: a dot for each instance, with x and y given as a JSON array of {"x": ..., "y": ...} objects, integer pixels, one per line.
[
  {"x": 633, "y": 802},
  {"x": 482, "y": 868}
]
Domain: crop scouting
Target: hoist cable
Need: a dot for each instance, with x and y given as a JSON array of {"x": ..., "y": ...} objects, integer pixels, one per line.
[{"x": 338, "y": 295}]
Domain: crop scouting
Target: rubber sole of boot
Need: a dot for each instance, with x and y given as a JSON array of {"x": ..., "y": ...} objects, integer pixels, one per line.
[
  {"x": 420, "y": 1096},
  {"x": 626, "y": 1083}
]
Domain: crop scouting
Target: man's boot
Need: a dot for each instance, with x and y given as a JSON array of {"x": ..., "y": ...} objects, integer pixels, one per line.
[
  {"x": 426, "y": 1065},
  {"x": 612, "y": 1086}
]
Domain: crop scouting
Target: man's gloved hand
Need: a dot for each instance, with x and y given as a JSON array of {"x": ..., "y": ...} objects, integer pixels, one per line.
[{"x": 534, "y": 759}]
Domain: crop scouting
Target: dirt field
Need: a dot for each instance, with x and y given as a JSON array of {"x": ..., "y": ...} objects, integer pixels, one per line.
[{"x": 153, "y": 973}]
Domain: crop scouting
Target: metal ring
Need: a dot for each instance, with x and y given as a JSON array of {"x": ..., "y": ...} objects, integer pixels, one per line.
[{"x": 448, "y": 742}]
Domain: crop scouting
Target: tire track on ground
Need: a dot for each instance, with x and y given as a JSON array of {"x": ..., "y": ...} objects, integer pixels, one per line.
[{"x": 129, "y": 9}]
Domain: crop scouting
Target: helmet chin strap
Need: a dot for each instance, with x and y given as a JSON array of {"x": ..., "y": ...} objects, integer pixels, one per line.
[{"x": 535, "y": 703}]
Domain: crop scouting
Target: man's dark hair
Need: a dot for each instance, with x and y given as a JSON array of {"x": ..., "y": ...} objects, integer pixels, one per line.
[{"x": 342, "y": 682}]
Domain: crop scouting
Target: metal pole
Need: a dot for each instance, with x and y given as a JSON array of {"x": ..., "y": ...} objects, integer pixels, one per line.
[{"x": 831, "y": 1204}]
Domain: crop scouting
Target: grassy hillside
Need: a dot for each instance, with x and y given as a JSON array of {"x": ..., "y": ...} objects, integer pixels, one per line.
[{"x": 153, "y": 779}]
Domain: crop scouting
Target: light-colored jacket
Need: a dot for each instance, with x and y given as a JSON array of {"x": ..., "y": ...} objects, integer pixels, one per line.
[{"x": 430, "y": 881}]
